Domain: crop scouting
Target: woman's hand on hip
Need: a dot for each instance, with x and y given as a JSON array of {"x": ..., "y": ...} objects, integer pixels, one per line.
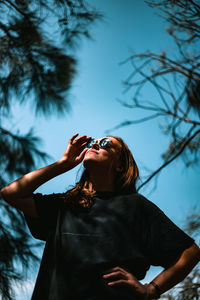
[
  {"x": 119, "y": 276},
  {"x": 75, "y": 151}
]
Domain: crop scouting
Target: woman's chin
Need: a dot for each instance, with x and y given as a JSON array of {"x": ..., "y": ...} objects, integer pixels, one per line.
[{"x": 90, "y": 161}]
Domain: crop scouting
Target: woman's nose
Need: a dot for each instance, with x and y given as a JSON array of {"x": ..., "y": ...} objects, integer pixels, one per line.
[{"x": 95, "y": 145}]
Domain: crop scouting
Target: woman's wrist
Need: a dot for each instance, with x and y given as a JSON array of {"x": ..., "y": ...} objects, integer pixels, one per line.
[
  {"x": 144, "y": 291},
  {"x": 151, "y": 292},
  {"x": 65, "y": 164}
]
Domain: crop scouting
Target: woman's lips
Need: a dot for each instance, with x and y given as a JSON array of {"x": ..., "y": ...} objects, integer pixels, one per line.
[{"x": 92, "y": 150}]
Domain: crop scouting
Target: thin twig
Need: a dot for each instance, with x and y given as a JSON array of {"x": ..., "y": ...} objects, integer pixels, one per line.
[{"x": 170, "y": 160}]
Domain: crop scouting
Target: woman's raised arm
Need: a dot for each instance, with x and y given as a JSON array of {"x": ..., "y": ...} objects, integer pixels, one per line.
[{"x": 19, "y": 192}]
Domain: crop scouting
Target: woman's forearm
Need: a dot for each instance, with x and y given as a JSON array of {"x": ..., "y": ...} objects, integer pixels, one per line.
[
  {"x": 19, "y": 192},
  {"x": 177, "y": 272},
  {"x": 164, "y": 281},
  {"x": 27, "y": 184}
]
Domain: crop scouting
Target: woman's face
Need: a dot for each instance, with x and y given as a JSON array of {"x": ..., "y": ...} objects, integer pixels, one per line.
[{"x": 107, "y": 156}]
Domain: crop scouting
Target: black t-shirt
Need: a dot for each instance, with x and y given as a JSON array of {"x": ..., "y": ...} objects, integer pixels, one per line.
[{"x": 81, "y": 244}]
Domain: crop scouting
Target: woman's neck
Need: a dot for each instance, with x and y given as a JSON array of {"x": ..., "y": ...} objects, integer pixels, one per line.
[{"x": 101, "y": 182}]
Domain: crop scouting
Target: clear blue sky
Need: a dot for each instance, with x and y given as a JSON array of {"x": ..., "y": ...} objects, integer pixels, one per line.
[{"x": 127, "y": 26}]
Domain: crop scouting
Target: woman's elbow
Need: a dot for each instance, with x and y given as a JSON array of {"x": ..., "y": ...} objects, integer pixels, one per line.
[
  {"x": 3, "y": 193},
  {"x": 196, "y": 253},
  {"x": 191, "y": 256},
  {"x": 7, "y": 194}
]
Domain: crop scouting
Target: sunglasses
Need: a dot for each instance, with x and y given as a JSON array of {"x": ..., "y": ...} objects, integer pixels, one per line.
[{"x": 103, "y": 143}]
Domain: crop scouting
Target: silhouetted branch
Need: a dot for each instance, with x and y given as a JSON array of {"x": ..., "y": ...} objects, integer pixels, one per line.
[
  {"x": 183, "y": 146},
  {"x": 176, "y": 81}
]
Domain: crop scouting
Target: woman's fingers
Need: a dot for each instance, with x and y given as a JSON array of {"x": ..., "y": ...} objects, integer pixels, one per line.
[
  {"x": 80, "y": 140},
  {"x": 73, "y": 138},
  {"x": 82, "y": 148},
  {"x": 81, "y": 156},
  {"x": 115, "y": 274},
  {"x": 120, "y": 276},
  {"x": 116, "y": 282},
  {"x": 115, "y": 269},
  {"x": 75, "y": 151}
]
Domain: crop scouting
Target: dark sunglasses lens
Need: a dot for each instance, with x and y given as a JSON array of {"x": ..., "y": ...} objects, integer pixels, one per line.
[
  {"x": 104, "y": 143},
  {"x": 91, "y": 142}
]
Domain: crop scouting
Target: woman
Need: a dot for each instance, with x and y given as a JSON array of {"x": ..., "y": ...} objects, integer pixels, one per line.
[{"x": 101, "y": 236}]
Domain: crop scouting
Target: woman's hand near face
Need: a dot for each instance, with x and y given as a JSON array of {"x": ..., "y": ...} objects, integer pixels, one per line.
[
  {"x": 19, "y": 192},
  {"x": 119, "y": 276},
  {"x": 75, "y": 151}
]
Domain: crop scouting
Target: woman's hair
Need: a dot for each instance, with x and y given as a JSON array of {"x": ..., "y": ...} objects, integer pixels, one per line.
[{"x": 124, "y": 182}]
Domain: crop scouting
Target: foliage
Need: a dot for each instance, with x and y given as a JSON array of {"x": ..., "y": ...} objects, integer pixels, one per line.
[
  {"x": 18, "y": 156},
  {"x": 36, "y": 66},
  {"x": 36, "y": 38},
  {"x": 174, "y": 80}
]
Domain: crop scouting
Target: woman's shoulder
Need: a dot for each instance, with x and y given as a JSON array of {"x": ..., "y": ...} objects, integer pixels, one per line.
[
  {"x": 135, "y": 198},
  {"x": 137, "y": 201}
]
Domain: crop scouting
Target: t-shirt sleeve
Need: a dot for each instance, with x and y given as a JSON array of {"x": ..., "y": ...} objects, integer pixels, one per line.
[
  {"x": 47, "y": 207},
  {"x": 162, "y": 241}
]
